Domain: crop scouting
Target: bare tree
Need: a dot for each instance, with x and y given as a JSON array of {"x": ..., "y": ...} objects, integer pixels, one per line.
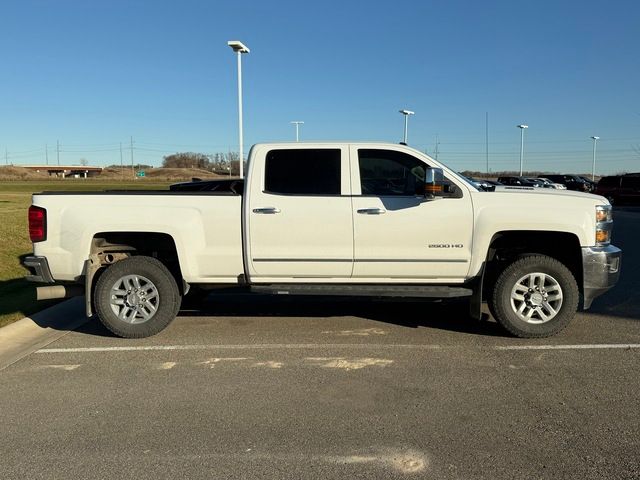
[{"x": 187, "y": 160}]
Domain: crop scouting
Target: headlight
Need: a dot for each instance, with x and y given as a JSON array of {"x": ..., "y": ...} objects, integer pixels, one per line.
[
  {"x": 604, "y": 224},
  {"x": 604, "y": 213}
]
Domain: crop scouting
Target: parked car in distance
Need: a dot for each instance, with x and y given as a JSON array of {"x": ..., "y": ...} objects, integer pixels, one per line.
[
  {"x": 521, "y": 181},
  {"x": 620, "y": 188},
  {"x": 557, "y": 186},
  {"x": 539, "y": 183},
  {"x": 591, "y": 183},
  {"x": 572, "y": 182},
  {"x": 492, "y": 183}
]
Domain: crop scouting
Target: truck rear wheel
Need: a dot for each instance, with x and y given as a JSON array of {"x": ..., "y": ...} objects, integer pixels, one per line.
[
  {"x": 137, "y": 297},
  {"x": 534, "y": 297}
]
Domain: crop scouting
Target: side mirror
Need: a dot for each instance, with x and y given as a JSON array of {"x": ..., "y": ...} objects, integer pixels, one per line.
[{"x": 433, "y": 183}]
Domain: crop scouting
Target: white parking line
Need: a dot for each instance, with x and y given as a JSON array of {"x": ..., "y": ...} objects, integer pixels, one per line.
[
  {"x": 601, "y": 346},
  {"x": 302, "y": 346}
]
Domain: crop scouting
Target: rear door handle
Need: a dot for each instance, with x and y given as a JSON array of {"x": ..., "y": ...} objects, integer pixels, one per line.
[
  {"x": 266, "y": 210},
  {"x": 372, "y": 211}
]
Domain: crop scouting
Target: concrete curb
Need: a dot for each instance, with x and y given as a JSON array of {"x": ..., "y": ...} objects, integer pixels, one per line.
[{"x": 21, "y": 338}]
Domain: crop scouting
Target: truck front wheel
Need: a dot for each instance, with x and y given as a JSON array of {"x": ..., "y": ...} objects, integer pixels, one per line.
[
  {"x": 534, "y": 297},
  {"x": 137, "y": 297}
]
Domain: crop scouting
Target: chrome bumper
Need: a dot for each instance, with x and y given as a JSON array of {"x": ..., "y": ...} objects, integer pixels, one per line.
[
  {"x": 601, "y": 270},
  {"x": 38, "y": 268}
]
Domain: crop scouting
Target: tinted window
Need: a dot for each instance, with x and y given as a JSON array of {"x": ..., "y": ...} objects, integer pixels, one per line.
[
  {"x": 556, "y": 178},
  {"x": 609, "y": 181},
  {"x": 387, "y": 172},
  {"x": 303, "y": 171},
  {"x": 631, "y": 182}
]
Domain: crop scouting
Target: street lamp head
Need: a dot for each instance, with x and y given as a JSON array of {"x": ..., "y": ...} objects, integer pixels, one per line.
[
  {"x": 523, "y": 126},
  {"x": 595, "y": 138},
  {"x": 407, "y": 112},
  {"x": 297, "y": 122},
  {"x": 238, "y": 46}
]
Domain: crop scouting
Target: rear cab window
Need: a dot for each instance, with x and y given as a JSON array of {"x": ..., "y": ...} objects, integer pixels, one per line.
[
  {"x": 303, "y": 171},
  {"x": 609, "y": 182},
  {"x": 631, "y": 182}
]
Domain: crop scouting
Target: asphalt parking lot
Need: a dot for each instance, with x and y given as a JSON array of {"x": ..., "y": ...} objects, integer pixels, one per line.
[{"x": 306, "y": 388}]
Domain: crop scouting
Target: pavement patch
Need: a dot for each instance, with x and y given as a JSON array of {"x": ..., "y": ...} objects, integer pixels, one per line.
[
  {"x": 212, "y": 362},
  {"x": 342, "y": 363},
  {"x": 68, "y": 368}
]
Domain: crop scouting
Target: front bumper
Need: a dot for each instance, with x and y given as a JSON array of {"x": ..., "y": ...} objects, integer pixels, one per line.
[
  {"x": 38, "y": 268},
  {"x": 601, "y": 270}
]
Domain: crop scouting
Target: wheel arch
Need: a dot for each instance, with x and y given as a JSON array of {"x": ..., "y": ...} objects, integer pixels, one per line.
[
  {"x": 110, "y": 247},
  {"x": 506, "y": 246}
]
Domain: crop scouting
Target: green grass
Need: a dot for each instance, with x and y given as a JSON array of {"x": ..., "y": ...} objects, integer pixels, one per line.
[{"x": 17, "y": 296}]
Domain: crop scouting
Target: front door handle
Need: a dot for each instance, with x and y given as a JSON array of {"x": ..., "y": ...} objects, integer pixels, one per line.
[
  {"x": 266, "y": 210},
  {"x": 372, "y": 211}
]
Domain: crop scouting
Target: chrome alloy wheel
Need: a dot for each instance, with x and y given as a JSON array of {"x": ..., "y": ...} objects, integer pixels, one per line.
[
  {"x": 536, "y": 298},
  {"x": 134, "y": 299}
]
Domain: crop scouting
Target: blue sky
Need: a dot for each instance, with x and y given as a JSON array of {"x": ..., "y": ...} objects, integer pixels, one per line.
[{"x": 91, "y": 74}]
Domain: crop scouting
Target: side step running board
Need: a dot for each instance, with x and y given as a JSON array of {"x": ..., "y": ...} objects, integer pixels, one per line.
[{"x": 412, "y": 291}]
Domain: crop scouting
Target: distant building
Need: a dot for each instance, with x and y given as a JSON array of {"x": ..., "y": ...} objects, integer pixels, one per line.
[{"x": 64, "y": 171}]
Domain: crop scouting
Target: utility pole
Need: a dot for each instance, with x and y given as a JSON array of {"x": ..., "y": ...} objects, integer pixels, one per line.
[
  {"x": 121, "y": 163},
  {"x": 593, "y": 167},
  {"x": 46, "y": 153},
  {"x": 6, "y": 156},
  {"x": 131, "y": 147},
  {"x": 58, "y": 151},
  {"x": 486, "y": 132},
  {"x": 437, "y": 143}
]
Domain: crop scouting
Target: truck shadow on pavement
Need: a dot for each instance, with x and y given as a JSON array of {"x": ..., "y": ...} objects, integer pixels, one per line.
[{"x": 451, "y": 316}]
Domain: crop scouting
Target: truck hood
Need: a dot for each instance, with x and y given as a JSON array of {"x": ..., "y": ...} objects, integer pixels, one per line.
[{"x": 549, "y": 191}]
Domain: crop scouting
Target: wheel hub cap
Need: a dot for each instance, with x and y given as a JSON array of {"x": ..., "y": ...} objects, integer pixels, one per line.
[
  {"x": 536, "y": 298},
  {"x": 134, "y": 299}
]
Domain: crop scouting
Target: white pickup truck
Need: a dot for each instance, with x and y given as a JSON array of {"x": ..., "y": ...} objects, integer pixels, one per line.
[{"x": 357, "y": 219}]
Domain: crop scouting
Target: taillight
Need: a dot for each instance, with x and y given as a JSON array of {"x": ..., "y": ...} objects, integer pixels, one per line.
[{"x": 37, "y": 224}]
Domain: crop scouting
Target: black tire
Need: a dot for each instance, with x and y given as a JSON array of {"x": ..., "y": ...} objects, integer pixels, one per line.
[
  {"x": 500, "y": 303},
  {"x": 168, "y": 295}
]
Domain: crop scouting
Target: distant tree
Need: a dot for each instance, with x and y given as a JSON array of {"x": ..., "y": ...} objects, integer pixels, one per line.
[
  {"x": 187, "y": 160},
  {"x": 84, "y": 162}
]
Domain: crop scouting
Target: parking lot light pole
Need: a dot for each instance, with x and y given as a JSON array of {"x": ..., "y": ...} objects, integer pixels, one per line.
[
  {"x": 297, "y": 123},
  {"x": 406, "y": 114},
  {"x": 522, "y": 127},
  {"x": 593, "y": 167},
  {"x": 239, "y": 48}
]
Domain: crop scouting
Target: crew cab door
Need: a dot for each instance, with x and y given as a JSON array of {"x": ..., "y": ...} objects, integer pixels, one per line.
[
  {"x": 299, "y": 218},
  {"x": 398, "y": 234}
]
